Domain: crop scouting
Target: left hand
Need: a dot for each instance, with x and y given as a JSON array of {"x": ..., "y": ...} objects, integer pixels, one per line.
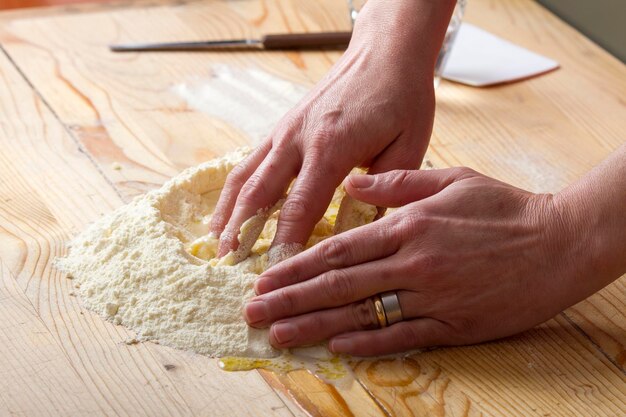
[
  {"x": 471, "y": 258},
  {"x": 374, "y": 109}
]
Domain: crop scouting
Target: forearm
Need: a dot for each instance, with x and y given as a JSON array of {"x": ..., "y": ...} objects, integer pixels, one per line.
[
  {"x": 412, "y": 29},
  {"x": 595, "y": 206}
]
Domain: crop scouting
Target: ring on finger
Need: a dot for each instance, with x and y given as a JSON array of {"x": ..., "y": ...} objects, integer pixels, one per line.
[
  {"x": 391, "y": 307},
  {"x": 380, "y": 311}
]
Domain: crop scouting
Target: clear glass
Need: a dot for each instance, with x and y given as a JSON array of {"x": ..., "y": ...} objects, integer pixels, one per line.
[
  {"x": 448, "y": 40},
  {"x": 453, "y": 28}
]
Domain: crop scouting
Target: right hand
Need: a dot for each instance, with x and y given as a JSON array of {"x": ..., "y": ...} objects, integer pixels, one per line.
[
  {"x": 470, "y": 258},
  {"x": 374, "y": 109}
]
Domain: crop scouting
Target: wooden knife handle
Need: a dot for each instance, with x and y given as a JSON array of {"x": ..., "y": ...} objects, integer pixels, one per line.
[{"x": 306, "y": 40}]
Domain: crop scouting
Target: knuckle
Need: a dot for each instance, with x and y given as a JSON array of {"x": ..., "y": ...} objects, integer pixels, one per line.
[
  {"x": 338, "y": 286},
  {"x": 384, "y": 230},
  {"x": 315, "y": 324},
  {"x": 320, "y": 141},
  {"x": 362, "y": 315},
  {"x": 461, "y": 173},
  {"x": 286, "y": 301},
  {"x": 400, "y": 178},
  {"x": 325, "y": 134},
  {"x": 285, "y": 274},
  {"x": 391, "y": 274},
  {"x": 334, "y": 252},
  {"x": 425, "y": 263},
  {"x": 410, "y": 224},
  {"x": 236, "y": 177},
  {"x": 254, "y": 189},
  {"x": 287, "y": 144},
  {"x": 285, "y": 137},
  {"x": 290, "y": 125},
  {"x": 294, "y": 210}
]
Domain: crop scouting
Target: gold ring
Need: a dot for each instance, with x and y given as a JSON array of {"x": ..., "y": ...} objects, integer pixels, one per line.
[{"x": 380, "y": 311}]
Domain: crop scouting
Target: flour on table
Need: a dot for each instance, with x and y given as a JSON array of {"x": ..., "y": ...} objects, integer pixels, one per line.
[
  {"x": 151, "y": 265},
  {"x": 249, "y": 98}
]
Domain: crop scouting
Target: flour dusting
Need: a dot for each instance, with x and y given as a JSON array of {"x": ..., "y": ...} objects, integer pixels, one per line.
[
  {"x": 132, "y": 268},
  {"x": 250, "y": 99}
]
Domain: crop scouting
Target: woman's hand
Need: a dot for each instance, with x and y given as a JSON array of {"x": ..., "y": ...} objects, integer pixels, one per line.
[
  {"x": 472, "y": 259},
  {"x": 374, "y": 109}
]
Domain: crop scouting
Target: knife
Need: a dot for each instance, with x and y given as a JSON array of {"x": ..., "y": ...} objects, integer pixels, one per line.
[{"x": 267, "y": 42}]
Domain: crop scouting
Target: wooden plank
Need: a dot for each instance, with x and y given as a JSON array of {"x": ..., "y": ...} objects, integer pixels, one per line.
[
  {"x": 17, "y": 4},
  {"x": 601, "y": 318},
  {"x": 551, "y": 370},
  {"x": 47, "y": 11},
  {"x": 49, "y": 188},
  {"x": 143, "y": 125},
  {"x": 36, "y": 377},
  {"x": 558, "y": 132},
  {"x": 325, "y": 400},
  {"x": 555, "y": 136}
]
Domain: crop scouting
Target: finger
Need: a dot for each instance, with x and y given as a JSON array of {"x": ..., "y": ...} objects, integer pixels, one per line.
[
  {"x": 400, "y": 187},
  {"x": 332, "y": 289},
  {"x": 350, "y": 248},
  {"x": 399, "y": 337},
  {"x": 321, "y": 325},
  {"x": 400, "y": 154},
  {"x": 307, "y": 201},
  {"x": 235, "y": 180},
  {"x": 262, "y": 190}
]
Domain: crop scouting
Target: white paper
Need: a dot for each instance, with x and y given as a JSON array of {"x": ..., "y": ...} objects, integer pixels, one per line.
[{"x": 479, "y": 58}]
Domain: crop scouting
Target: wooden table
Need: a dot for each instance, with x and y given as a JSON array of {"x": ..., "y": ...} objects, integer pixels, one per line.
[{"x": 72, "y": 114}]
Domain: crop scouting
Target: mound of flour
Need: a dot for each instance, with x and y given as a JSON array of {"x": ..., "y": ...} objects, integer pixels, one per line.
[{"x": 135, "y": 267}]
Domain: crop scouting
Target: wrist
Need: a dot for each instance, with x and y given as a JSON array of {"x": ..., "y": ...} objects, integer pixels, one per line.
[
  {"x": 595, "y": 240},
  {"x": 562, "y": 261},
  {"x": 411, "y": 29}
]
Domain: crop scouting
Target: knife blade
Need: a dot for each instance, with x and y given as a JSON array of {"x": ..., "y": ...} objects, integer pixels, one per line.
[{"x": 267, "y": 42}]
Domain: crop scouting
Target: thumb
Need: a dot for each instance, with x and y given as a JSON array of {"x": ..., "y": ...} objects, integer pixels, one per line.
[{"x": 400, "y": 187}]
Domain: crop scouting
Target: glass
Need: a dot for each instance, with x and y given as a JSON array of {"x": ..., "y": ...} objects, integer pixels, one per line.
[{"x": 448, "y": 41}]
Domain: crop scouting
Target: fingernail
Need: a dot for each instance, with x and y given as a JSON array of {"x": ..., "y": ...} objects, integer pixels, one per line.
[
  {"x": 255, "y": 312},
  {"x": 263, "y": 286},
  {"x": 361, "y": 181},
  {"x": 341, "y": 345},
  {"x": 284, "y": 332}
]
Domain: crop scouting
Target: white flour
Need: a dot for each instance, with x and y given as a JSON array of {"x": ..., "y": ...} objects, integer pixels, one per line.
[
  {"x": 132, "y": 268},
  {"x": 135, "y": 266},
  {"x": 251, "y": 99}
]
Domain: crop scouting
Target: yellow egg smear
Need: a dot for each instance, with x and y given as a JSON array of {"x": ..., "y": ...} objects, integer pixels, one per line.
[
  {"x": 334, "y": 370},
  {"x": 204, "y": 247},
  {"x": 343, "y": 212}
]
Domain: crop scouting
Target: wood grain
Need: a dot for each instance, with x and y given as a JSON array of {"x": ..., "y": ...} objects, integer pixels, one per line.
[
  {"x": 51, "y": 189},
  {"x": 554, "y": 365},
  {"x": 69, "y": 109},
  {"x": 37, "y": 378},
  {"x": 142, "y": 124},
  {"x": 19, "y": 4}
]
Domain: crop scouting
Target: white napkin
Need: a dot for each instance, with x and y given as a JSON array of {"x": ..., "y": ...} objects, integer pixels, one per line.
[{"x": 479, "y": 58}]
